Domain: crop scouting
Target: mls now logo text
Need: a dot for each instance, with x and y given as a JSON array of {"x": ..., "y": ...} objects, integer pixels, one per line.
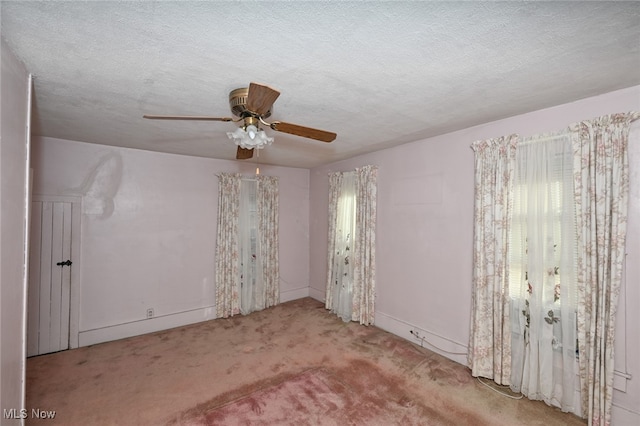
[{"x": 36, "y": 413}]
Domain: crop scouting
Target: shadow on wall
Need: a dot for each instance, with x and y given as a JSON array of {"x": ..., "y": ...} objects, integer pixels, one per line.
[{"x": 101, "y": 186}]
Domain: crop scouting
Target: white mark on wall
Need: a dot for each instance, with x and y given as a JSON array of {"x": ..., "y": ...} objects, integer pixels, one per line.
[{"x": 101, "y": 186}]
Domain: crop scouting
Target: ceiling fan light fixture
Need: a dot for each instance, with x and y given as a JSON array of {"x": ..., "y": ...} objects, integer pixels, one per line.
[
  {"x": 252, "y": 131},
  {"x": 250, "y": 137}
]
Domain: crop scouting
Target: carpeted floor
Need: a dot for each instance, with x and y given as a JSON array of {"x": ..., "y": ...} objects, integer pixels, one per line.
[{"x": 293, "y": 364}]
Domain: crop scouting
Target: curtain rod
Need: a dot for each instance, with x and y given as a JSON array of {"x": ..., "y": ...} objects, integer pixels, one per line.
[
  {"x": 374, "y": 166},
  {"x": 634, "y": 116},
  {"x": 250, "y": 179},
  {"x": 533, "y": 139}
]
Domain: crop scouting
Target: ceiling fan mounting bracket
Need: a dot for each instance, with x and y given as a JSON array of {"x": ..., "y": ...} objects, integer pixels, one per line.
[
  {"x": 251, "y": 119},
  {"x": 238, "y": 104}
]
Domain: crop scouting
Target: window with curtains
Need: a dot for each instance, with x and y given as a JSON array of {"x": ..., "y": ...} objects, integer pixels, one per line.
[
  {"x": 535, "y": 291},
  {"x": 342, "y": 270},
  {"x": 542, "y": 290},
  {"x": 247, "y": 261},
  {"x": 351, "y": 271}
]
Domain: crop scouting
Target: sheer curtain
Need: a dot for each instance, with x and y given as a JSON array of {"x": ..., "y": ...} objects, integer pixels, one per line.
[
  {"x": 251, "y": 282},
  {"x": 350, "y": 291},
  {"x": 342, "y": 222},
  {"x": 490, "y": 328},
  {"x": 247, "y": 261},
  {"x": 542, "y": 285}
]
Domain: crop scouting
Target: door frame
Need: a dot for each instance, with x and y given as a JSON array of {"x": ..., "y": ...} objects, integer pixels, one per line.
[{"x": 76, "y": 229}]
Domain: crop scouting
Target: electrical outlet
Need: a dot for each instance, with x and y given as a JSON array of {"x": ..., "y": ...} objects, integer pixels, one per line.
[{"x": 150, "y": 313}]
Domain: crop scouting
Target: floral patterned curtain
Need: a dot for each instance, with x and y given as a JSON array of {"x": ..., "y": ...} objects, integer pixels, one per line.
[
  {"x": 227, "y": 273},
  {"x": 335, "y": 185},
  {"x": 601, "y": 178},
  {"x": 490, "y": 334},
  {"x": 268, "y": 211},
  {"x": 364, "y": 257}
]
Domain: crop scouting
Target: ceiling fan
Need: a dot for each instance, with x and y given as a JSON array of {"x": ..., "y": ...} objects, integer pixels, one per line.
[{"x": 252, "y": 105}]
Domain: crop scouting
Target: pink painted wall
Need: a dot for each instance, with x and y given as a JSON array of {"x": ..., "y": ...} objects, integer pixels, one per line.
[
  {"x": 13, "y": 190},
  {"x": 149, "y": 226},
  {"x": 425, "y": 233}
]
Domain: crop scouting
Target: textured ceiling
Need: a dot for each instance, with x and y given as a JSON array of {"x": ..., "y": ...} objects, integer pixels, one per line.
[{"x": 379, "y": 74}]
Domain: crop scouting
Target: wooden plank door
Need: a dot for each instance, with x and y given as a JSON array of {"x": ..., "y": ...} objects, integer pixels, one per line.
[{"x": 50, "y": 266}]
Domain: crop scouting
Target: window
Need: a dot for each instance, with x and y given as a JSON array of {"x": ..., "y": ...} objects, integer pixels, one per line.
[
  {"x": 247, "y": 261},
  {"x": 351, "y": 278},
  {"x": 538, "y": 269},
  {"x": 542, "y": 291},
  {"x": 342, "y": 260}
]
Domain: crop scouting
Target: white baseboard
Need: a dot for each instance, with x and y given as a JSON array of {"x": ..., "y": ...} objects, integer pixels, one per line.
[
  {"x": 316, "y": 294},
  {"x": 296, "y": 293},
  {"x": 620, "y": 416},
  {"x": 136, "y": 328},
  {"x": 165, "y": 322},
  {"x": 448, "y": 348}
]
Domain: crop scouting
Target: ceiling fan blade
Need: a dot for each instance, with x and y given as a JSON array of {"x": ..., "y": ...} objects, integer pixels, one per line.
[
  {"x": 305, "y": 132},
  {"x": 187, "y": 117},
  {"x": 243, "y": 154},
  {"x": 261, "y": 98}
]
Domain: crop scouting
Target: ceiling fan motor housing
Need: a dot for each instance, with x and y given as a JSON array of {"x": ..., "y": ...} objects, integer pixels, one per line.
[{"x": 238, "y": 103}]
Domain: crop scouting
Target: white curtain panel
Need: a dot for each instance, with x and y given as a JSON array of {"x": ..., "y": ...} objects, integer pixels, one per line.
[
  {"x": 227, "y": 272},
  {"x": 542, "y": 285},
  {"x": 490, "y": 334},
  {"x": 341, "y": 236},
  {"x": 251, "y": 283},
  {"x": 601, "y": 174}
]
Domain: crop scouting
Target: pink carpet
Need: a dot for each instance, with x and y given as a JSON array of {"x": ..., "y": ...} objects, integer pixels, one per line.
[
  {"x": 361, "y": 393},
  {"x": 307, "y": 398},
  {"x": 293, "y": 364}
]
